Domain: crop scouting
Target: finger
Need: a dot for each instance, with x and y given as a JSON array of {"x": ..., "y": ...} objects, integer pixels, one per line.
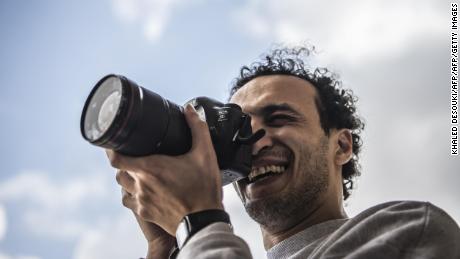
[
  {"x": 123, "y": 162},
  {"x": 201, "y": 139},
  {"x": 125, "y": 180},
  {"x": 128, "y": 200}
]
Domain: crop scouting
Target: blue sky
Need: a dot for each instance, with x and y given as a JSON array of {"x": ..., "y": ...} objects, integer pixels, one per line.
[{"x": 58, "y": 196}]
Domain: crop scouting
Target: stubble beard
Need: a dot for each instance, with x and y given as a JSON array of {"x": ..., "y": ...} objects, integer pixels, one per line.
[{"x": 275, "y": 212}]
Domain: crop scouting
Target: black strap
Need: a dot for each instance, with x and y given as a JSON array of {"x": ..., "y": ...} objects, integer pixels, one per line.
[{"x": 199, "y": 220}]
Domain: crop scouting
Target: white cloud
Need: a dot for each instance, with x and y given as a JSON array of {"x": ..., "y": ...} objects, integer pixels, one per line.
[
  {"x": 4, "y": 256},
  {"x": 349, "y": 30},
  {"x": 152, "y": 15},
  {"x": 53, "y": 208},
  {"x": 3, "y": 222},
  {"x": 116, "y": 238},
  {"x": 59, "y": 210},
  {"x": 38, "y": 187}
]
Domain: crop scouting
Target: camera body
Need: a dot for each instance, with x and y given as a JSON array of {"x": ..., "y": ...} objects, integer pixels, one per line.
[{"x": 127, "y": 118}]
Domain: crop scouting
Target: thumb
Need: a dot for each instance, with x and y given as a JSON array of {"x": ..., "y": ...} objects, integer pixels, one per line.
[{"x": 201, "y": 139}]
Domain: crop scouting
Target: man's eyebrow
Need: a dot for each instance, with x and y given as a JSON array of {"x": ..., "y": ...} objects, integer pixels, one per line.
[{"x": 271, "y": 108}]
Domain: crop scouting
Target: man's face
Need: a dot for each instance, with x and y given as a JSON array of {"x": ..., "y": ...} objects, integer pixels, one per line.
[{"x": 290, "y": 176}]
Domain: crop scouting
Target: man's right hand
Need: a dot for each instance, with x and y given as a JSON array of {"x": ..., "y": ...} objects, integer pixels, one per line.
[{"x": 160, "y": 243}]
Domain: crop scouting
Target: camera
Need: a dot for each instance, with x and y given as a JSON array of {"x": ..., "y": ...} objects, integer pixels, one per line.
[{"x": 125, "y": 117}]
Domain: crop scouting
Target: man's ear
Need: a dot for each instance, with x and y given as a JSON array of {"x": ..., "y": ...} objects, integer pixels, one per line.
[{"x": 344, "y": 147}]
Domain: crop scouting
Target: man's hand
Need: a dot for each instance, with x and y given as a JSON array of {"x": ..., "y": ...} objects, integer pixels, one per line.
[
  {"x": 160, "y": 243},
  {"x": 163, "y": 189}
]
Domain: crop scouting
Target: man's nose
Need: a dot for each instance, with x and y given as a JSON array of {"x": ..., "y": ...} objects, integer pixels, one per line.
[{"x": 265, "y": 141}]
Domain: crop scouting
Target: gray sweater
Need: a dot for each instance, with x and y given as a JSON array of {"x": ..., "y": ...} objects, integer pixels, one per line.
[{"x": 400, "y": 229}]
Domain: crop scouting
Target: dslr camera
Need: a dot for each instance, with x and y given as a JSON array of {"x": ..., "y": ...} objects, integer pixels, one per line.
[{"x": 127, "y": 118}]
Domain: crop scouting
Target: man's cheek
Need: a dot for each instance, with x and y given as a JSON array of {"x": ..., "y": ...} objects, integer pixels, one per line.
[{"x": 289, "y": 136}]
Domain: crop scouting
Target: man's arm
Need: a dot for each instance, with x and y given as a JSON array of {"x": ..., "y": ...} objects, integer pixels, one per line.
[
  {"x": 440, "y": 236},
  {"x": 159, "y": 243},
  {"x": 398, "y": 229}
]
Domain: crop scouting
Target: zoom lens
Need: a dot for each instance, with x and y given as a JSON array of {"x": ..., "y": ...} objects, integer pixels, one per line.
[{"x": 132, "y": 120}]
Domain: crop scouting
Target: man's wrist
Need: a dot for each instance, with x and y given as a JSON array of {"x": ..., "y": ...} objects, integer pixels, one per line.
[
  {"x": 159, "y": 253},
  {"x": 194, "y": 222},
  {"x": 160, "y": 248}
]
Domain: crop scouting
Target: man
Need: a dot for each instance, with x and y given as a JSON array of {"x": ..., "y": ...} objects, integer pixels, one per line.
[{"x": 303, "y": 169}]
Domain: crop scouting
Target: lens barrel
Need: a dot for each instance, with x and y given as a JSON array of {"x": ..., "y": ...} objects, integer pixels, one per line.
[{"x": 144, "y": 122}]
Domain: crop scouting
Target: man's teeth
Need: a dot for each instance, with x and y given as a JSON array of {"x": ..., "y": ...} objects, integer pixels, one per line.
[{"x": 265, "y": 169}]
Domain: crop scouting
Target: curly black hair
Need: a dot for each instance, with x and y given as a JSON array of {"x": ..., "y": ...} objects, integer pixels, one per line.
[{"x": 336, "y": 106}]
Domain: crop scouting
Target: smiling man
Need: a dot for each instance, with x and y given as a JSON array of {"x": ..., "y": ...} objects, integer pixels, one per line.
[
  {"x": 306, "y": 186},
  {"x": 303, "y": 169}
]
